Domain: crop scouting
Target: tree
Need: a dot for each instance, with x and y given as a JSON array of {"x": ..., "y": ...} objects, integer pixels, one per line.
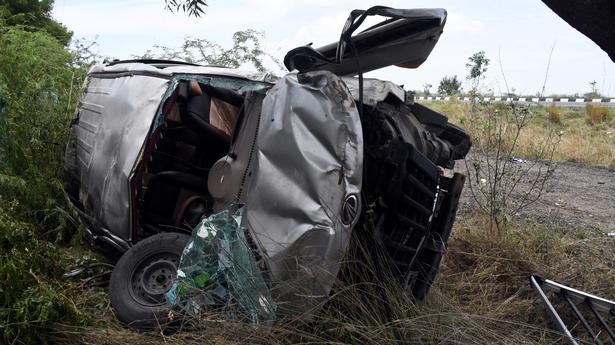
[
  {"x": 427, "y": 89},
  {"x": 593, "y": 85},
  {"x": 512, "y": 93},
  {"x": 595, "y": 92},
  {"x": 477, "y": 63},
  {"x": 34, "y": 15},
  {"x": 246, "y": 49},
  {"x": 449, "y": 86},
  {"x": 192, "y": 7}
]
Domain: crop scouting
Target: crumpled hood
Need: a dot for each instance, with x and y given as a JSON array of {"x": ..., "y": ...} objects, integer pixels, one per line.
[{"x": 300, "y": 181}]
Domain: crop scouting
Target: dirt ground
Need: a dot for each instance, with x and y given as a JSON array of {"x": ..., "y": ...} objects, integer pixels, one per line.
[{"x": 578, "y": 196}]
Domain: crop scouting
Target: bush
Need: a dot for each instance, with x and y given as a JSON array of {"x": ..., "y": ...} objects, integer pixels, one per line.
[
  {"x": 38, "y": 87},
  {"x": 493, "y": 175},
  {"x": 32, "y": 298},
  {"x": 555, "y": 115},
  {"x": 596, "y": 114}
]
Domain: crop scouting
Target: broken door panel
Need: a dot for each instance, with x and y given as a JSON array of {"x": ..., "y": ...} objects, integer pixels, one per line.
[{"x": 303, "y": 170}]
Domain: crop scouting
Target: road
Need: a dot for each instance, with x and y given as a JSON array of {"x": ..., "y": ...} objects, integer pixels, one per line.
[
  {"x": 578, "y": 196},
  {"x": 560, "y": 102}
]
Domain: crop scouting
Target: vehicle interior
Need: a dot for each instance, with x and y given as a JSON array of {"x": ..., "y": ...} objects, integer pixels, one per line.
[{"x": 171, "y": 184}]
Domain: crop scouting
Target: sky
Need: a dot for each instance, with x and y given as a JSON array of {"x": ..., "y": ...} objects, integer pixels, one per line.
[{"x": 517, "y": 36}]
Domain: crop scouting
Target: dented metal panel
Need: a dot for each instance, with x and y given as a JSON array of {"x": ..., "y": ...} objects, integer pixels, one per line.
[
  {"x": 306, "y": 171},
  {"x": 296, "y": 164},
  {"x": 374, "y": 90},
  {"x": 114, "y": 117}
]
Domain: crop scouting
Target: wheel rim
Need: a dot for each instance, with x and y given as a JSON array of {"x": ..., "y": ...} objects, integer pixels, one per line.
[{"x": 152, "y": 278}]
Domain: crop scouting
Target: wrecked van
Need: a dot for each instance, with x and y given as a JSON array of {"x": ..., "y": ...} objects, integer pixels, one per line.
[{"x": 228, "y": 189}]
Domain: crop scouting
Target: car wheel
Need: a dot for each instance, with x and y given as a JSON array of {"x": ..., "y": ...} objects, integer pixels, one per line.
[{"x": 142, "y": 276}]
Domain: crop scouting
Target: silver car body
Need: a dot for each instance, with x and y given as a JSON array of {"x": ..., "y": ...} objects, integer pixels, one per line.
[
  {"x": 302, "y": 147},
  {"x": 115, "y": 116}
]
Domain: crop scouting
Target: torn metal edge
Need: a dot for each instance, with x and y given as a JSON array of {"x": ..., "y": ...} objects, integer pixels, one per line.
[{"x": 571, "y": 296}]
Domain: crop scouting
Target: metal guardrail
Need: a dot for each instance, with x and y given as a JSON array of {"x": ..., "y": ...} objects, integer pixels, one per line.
[
  {"x": 561, "y": 102},
  {"x": 601, "y": 309}
]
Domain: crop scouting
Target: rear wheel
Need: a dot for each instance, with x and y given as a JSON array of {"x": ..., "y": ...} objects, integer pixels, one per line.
[{"x": 142, "y": 276}]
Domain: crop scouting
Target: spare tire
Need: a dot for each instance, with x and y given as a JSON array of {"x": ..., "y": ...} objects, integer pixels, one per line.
[{"x": 142, "y": 276}]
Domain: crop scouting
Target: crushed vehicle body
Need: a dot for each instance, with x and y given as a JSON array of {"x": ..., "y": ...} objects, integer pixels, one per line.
[{"x": 263, "y": 178}]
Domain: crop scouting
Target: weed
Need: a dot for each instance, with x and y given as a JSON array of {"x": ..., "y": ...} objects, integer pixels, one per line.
[
  {"x": 493, "y": 176},
  {"x": 596, "y": 114},
  {"x": 555, "y": 115},
  {"x": 481, "y": 296}
]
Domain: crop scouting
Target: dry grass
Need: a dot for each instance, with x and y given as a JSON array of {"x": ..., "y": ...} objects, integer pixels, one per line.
[
  {"x": 580, "y": 141},
  {"x": 596, "y": 114},
  {"x": 488, "y": 275},
  {"x": 555, "y": 115},
  {"x": 494, "y": 270},
  {"x": 481, "y": 296}
]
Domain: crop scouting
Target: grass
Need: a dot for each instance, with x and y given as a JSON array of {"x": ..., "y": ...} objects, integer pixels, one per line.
[
  {"x": 481, "y": 296},
  {"x": 555, "y": 114},
  {"x": 582, "y": 141},
  {"x": 597, "y": 114}
]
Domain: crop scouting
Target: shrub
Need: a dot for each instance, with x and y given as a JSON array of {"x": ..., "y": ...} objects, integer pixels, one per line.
[
  {"x": 492, "y": 169},
  {"x": 596, "y": 114},
  {"x": 555, "y": 115},
  {"x": 31, "y": 301},
  {"x": 37, "y": 79}
]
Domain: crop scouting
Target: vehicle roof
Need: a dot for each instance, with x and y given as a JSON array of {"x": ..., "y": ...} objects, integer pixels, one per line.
[
  {"x": 375, "y": 90},
  {"x": 168, "y": 68}
]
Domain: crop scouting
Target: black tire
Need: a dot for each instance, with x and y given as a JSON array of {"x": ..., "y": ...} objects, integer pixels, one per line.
[{"x": 141, "y": 277}]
